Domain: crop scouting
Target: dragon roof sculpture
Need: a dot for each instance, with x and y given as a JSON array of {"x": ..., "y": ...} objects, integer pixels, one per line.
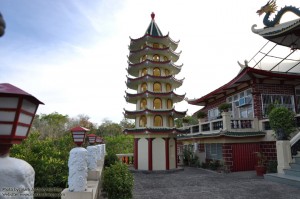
[
  {"x": 286, "y": 34},
  {"x": 2, "y": 25}
]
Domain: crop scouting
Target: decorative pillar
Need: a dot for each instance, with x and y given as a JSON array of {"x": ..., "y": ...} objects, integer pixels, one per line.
[
  {"x": 284, "y": 155},
  {"x": 150, "y": 153},
  {"x": 92, "y": 157},
  {"x": 226, "y": 121},
  {"x": 136, "y": 147},
  {"x": 77, "y": 170},
  {"x": 176, "y": 156},
  {"x": 18, "y": 174},
  {"x": 167, "y": 153}
]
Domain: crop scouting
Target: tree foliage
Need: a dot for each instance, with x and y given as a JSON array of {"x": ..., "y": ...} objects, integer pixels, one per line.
[
  {"x": 119, "y": 144},
  {"x": 118, "y": 181},
  {"x": 191, "y": 121}
]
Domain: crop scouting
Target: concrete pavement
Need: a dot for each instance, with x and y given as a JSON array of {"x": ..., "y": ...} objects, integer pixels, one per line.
[{"x": 199, "y": 183}]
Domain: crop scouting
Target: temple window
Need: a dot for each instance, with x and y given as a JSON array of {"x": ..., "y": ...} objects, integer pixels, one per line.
[
  {"x": 144, "y": 87},
  {"x": 155, "y": 57},
  {"x": 167, "y": 72},
  {"x": 143, "y": 121},
  {"x": 157, "y": 103},
  {"x": 155, "y": 45},
  {"x": 156, "y": 72},
  {"x": 158, "y": 121},
  {"x": 169, "y": 104},
  {"x": 157, "y": 87},
  {"x": 171, "y": 121},
  {"x": 144, "y": 57},
  {"x": 144, "y": 72},
  {"x": 143, "y": 103},
  {"x": 166, "y": 58},
  {"x": 168, "y": 87}
]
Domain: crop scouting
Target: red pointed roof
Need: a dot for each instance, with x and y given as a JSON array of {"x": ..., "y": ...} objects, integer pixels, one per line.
[{"x": 246, "y": 75}]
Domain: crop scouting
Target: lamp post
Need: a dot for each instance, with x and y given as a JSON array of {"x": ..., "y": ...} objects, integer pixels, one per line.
[
  {"x": 98, "y": 140},
  {"x": 77, "y": 163},
  {"x": 17, "y": 111},
  {"x": 78, "y": 134},
  {"x": 92, "y": 138},
  {"x": 2, "y": 25}
]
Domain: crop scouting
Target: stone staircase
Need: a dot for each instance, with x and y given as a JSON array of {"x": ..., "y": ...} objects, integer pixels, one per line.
[{"x": 291, "y": 176}]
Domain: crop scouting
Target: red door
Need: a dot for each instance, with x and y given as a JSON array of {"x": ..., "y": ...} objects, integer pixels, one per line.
[{"x": 244, "y": 157}]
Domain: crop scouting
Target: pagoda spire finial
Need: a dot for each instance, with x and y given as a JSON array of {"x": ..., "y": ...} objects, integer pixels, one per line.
[{"x": 152, "y": 15}]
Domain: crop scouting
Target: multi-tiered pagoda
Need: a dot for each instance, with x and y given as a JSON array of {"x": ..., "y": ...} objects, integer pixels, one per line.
[{"x": 151, "y": 69}]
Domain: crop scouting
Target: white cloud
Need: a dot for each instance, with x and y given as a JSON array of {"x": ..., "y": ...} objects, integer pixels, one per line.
[{"x": 75, "y": 62}]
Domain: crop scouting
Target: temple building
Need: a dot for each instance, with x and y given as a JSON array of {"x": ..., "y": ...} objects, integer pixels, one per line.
[{"x": 151, "y": 74}]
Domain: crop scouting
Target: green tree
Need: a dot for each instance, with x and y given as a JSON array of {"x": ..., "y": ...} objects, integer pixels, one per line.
[
  {"x": 108, "y": 128},
  {"x": 50, "y": 125}
]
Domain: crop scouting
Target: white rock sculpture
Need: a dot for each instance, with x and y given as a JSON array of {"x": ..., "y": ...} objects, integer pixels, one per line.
[
  {"x": 16, "y": 178},
  {"x": 92, "y": 157},
  {"x": 77, "y": 170}
]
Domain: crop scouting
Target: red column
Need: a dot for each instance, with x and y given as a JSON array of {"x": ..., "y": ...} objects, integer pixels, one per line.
[
  {"x": 167, "y": 153},
  {"x": 136, "y": 147},
  {"x": 150, "y": 153},
  {"x": 176, "y": 156}
]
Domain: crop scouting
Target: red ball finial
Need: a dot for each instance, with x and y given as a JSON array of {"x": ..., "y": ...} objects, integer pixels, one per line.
[{"x": 152, "y": 15}]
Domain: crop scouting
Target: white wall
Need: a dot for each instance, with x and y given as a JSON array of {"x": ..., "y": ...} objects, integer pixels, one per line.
[
  {"x": 158, "y": 154},
  {"x": 143, "y": 154}
]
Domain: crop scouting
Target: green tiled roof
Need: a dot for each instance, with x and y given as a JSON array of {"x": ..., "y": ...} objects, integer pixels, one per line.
[
  {"x": 225, "y": 134},
  {"x": 153, "y": 29}
]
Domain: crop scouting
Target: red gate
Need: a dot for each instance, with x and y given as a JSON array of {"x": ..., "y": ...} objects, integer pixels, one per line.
[{"x": 244, "y": 157}]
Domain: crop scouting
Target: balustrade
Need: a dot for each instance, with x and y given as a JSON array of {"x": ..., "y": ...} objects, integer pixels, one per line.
[{"x": 126, "y": 158}]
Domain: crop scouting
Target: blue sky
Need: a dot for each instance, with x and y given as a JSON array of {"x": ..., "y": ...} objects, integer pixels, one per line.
[{"x": 72, "y": 54}]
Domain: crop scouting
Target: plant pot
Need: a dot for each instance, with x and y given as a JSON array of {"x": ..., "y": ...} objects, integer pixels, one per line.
[{"x": 261, "y": 170}]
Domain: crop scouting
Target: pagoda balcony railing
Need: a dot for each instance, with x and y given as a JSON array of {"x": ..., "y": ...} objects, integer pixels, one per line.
[
  {"x": 126, "y": 158},
  {"x": 226, "y": 122}
]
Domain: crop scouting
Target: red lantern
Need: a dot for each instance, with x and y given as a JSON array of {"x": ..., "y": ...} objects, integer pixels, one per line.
[
  {"x": 92, "y": 138},
  {"x": 17, "y": 111},
  {"x": 78, "y": 134}
]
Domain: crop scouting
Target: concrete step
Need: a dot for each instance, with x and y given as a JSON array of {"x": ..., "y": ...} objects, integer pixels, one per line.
[
  {"x": 292, "y": 172},
  {"x": 297, "y": 159},
  {"x": 295, "y": 166},
  {"x": 282, "y": 178}
]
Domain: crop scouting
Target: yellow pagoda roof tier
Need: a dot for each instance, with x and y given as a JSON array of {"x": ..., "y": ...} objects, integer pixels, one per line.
[
  {"x": 133, "y": 83},
  {"x": 134, "y": 56},
  {"x": 136, "y": 44},
  {"x": 132, "y": 98},
  {"x": 133, "y": 69},
  {"x": 171, "y": 112},
  {"x": 153, "y": 130}
]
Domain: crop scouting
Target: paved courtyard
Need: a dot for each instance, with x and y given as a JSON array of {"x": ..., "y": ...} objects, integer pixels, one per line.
[{"x": 199, "y": 183}]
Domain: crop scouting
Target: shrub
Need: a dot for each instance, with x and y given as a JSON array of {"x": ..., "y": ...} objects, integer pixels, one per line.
[
  {"x": 201, "y": 115},
  {"x": 110, "y": 159},
  {"x": 189, "y": 158},
  {"x": 224, "y": 107},
  {"x": 282, "y": 121},
  {"x": 48, "y": 157},
  {"x": 118, "y": 181}
]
